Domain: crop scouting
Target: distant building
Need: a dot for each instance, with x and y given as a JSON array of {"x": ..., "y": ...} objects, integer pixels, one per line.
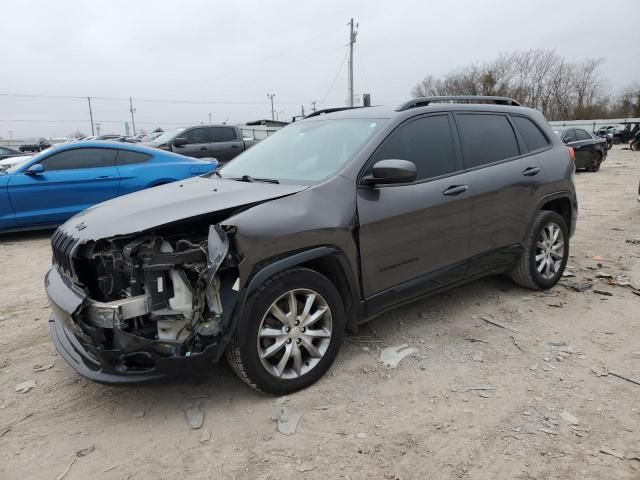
[{"x": 260, "y": 129}]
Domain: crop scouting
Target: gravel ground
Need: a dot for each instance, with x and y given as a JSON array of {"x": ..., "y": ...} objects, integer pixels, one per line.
[{"x": 548, "y": 409}]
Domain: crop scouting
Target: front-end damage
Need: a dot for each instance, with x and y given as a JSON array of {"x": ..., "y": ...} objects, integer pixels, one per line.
[{"x": 139, "y": 306}]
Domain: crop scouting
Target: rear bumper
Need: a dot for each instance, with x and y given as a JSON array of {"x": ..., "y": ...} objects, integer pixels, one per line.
[{"x": 137, "y": 360}]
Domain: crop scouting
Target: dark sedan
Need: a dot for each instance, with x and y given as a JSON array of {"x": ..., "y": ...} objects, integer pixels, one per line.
[
  {"x": 590, "y": 150},
  {"x": 6, "y": 152}
]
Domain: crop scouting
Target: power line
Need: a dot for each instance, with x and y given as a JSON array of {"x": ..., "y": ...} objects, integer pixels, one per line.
[{"x": 335, "y": 78}]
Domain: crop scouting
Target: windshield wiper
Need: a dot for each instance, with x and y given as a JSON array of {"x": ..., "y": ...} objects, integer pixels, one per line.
[{"x": 250, "y": 179}]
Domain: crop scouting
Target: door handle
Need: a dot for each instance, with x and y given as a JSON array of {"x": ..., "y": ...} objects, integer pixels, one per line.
[
  {"x": 203, "y": 149},
  {"x": 531, "y": 171},
  {"x": 104, "y": 177},
  {"x": 235, "y": 146},
  {"x": 455, "y": 190}
]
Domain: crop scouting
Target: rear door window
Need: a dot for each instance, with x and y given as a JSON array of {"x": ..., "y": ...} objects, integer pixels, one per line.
[
  {"x": 80, "y": 158},
  {"x": 569, "y": 136},
  {"x": 486, "y": 139},
  {"x": 582, "y": 134},
  {"x": 533, "y": 138},
  {"x": 222, "y": 134},
  {"x": 427, "y": 142},
  {"x": 127, "y": 157}
]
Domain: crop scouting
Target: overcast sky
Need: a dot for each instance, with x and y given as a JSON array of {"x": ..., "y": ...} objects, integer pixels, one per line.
[{"x": 237, "y": 52}]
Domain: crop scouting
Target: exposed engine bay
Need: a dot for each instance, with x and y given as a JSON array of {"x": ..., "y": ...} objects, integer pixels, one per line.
[{"x": 155, "y": 291}]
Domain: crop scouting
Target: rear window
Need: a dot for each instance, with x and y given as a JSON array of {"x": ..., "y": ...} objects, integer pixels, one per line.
[
  {"x": 533, "y": 138},
  {"x": 582, "y": 134},
  {"x": 486, "y": 139},
  {"x": 127, "y": 157}
]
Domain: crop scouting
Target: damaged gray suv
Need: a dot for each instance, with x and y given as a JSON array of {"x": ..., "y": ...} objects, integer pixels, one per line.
[{"x": 320, "y": 227}]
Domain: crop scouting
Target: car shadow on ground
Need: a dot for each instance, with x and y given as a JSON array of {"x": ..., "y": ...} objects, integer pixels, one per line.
[
  {"x": 15, "y": 237},
  {"x": 219, "y": 385}
]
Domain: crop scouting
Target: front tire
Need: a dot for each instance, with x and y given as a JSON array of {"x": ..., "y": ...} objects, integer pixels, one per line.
[
  {"x": 596, "y": 162},
  {"x": 546, "y": 252},
  {"x": 294, "y": 329}
]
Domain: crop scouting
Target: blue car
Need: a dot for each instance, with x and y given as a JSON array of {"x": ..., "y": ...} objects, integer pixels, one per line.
[{"x": 54, "y": 185}]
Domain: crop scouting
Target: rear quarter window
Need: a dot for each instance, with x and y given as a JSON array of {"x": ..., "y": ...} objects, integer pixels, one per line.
[
  {"x": 486, "y": 138},
  {"x": 533, "y": 138},
  {"x": 127, "y": 157}
]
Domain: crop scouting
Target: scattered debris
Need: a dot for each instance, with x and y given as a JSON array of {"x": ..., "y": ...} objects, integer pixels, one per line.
[
  {"x": 475, "y": 340},
  {"x": 7, "y": 428},
  {"x": 288, "y": 420},
  {"x": 634, "y": 241},
  {"x": 569, "y": 418},
  {"x": 498, "y": 324},
  {"x": 578, "y": 287},
  {"x": 24, "y": 387},
  {"x": 85, "y": 451},
  {"x": 305, "y": 467},
  {"x": 548, "y": 430},
  {"x": 597, "y": 258},
  {"x": 602, "y": 292},
  {"x": 194, "y": 416},
  {"x": 468, "y": 388},
  {"x": 67, "y": 469},
  {"x": 361, "y": 435},
  {"x": 322, "y": 407},
  {"x": 628, "y": 379},
  {"x": 281, "y": 401},
  {"x": 613, "y": 453},
  {"x": 516, "y": 343},
  {"x": 108, "y": 469},
  {"x": 534, "y": 367},
  {"x": 138, "y": 414},
  {"x": 392, "y": 356},
  {"x": 567, "y": 273},
  {"x": 42, "y": 368},
  {"x": 603, "y": 275},
  {"x": 600, "y": 371},
  {"x": 206, "y": 436}
]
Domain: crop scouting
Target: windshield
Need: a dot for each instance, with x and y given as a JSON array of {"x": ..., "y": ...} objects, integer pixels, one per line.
[
  {"x": 166, "y": 136},
  {"x": 306, "y": 152}
]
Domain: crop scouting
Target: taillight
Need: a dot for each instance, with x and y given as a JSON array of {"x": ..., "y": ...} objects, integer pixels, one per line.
[{"x": 572, "y": 153}]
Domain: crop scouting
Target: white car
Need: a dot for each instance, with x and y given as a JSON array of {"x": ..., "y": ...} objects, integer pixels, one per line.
[{"x": 11, "y": 161}]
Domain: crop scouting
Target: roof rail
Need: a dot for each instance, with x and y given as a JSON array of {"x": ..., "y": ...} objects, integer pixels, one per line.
[
  {"x": 329, "y": 110},
  {"x": 424, "y": 101}
]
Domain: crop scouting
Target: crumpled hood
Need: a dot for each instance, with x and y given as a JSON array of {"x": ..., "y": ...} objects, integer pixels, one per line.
[{"x": 169, "y": 203}]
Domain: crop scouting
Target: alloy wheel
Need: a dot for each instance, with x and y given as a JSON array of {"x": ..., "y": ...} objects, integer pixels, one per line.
[
  {"x": 550, "y": 251},
  {"x": 294, "y": 333}
]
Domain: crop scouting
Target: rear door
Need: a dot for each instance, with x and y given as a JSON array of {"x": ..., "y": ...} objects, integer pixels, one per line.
[
  {"x": 505, "y": 175},
  {"x": 584, "y": 147},
  {"x": 225, "y": 143},
  {"x": 73, "y": 180},
  {"x": 198, "y": 143},
  {"x": 414, "y": 237}
]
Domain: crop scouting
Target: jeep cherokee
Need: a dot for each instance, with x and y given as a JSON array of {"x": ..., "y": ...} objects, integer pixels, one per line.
[{"x": 318, "y": 228}]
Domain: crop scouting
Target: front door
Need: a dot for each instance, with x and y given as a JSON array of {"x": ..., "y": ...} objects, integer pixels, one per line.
[
  {"x": 72, "y": 181},
  {"x": 414, "y": 237},
  {"x": 198, "y": 144}
]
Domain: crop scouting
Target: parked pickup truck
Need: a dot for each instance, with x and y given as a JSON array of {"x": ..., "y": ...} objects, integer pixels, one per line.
[
  {"x": 34, "y": 145},
  {"x": 222, "y": 142}
]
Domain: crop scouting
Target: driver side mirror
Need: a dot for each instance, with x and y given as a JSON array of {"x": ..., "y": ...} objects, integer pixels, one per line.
[
  {"x": 385, "y": 172},
  {"x": 180, "y": 142},
  {"x": 35, "y": 169}
]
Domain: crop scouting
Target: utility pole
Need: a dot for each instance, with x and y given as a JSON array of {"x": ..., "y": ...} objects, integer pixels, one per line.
[
  {"x": 97, "y": 128},
  {"x": 302, "y": 110},
  {"x": 270, "y": 96},
  {"x": 10, "y": 134},
  {"x": 352, "y": 39},
  {"x": 313, "y": 106},
  {"x": 91, "y": 115},
  {"x": 132, "y": 110},
  {"x": 209, "y": 119}
]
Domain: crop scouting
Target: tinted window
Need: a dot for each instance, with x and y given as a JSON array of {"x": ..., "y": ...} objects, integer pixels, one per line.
[
  {"x": 582, "y": 134},
  {"x": 126, "y": 157},
  {"x": 3, "y": 151},
  {"x": 80, "y": 158},
  {"x": 222, "y": 134},
  {"x": 196, "y": 135},
  {"x": 531, "y": 134},
  {"x": 569, "y": 136},
  {"x": 427, "y": 142},
  {"x": 486, "y": 139}
]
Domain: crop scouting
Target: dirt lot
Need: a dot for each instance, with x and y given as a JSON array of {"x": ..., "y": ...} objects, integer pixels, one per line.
[{"x": 547, "y": 411}]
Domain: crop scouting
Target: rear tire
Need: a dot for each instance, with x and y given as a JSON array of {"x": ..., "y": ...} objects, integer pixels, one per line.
[
  {"x": 596, "y": 162},
  {"x": 294, "y": 329},
  {"x": 546, "y": 252}
]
